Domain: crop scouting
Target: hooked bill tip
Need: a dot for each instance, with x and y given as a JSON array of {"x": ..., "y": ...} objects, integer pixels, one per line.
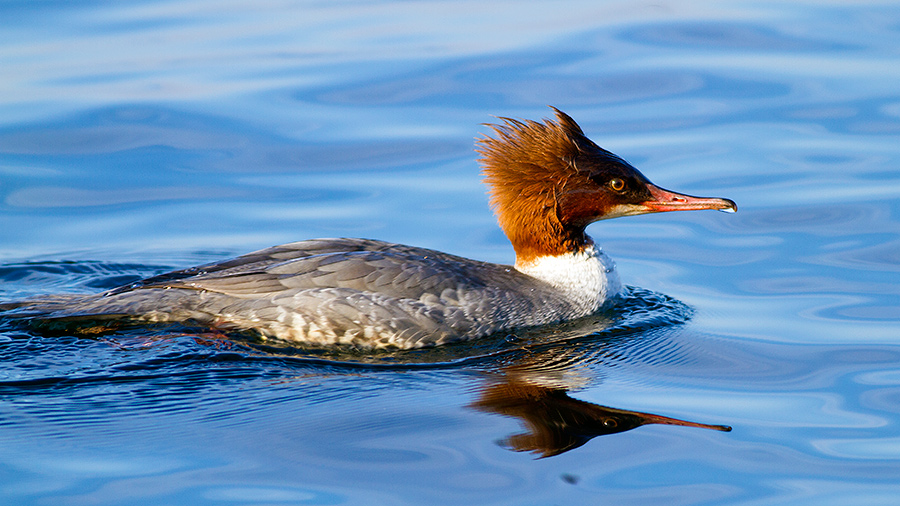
[{"x": 730, "y": 208}]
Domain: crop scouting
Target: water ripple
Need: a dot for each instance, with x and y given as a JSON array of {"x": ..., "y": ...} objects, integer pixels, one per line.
[{"x": 728, "y": 36}]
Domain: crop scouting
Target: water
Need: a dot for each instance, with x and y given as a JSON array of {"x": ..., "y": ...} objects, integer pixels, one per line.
[{"x": 141, "y": 137}]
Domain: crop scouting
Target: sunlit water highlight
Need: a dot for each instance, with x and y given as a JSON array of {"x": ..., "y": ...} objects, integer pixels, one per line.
[{"x": 148, "y": 136}]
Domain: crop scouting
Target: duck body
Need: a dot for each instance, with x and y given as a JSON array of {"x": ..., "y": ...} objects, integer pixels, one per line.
[
  {"x": 547, "y": 183},
  {"x": 353, "y": 291}
]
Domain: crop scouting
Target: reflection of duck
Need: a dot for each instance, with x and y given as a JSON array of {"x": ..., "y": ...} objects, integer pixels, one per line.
[
  {"x": 547, "y": 182},
  {"x": 558, "y": 423},
  {"x": 534, "y": 388}
]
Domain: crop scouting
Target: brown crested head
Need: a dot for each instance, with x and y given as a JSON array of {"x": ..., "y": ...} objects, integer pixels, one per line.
[{"x": 548, "y": 181}]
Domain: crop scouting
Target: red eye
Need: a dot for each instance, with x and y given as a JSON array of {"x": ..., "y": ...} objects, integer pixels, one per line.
[{"x": 616, "y": 184}]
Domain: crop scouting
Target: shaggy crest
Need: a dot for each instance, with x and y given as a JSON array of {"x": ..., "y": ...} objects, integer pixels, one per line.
[{"x": 525, "y": 166}]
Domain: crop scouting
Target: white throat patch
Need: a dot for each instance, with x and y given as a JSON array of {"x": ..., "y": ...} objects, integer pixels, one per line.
[{"x": 588, "y": 278}]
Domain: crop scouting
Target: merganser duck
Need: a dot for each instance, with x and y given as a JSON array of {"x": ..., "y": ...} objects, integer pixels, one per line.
[{"x": 547, "y": 181}]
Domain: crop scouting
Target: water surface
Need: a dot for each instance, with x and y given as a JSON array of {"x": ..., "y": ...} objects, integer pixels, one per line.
[{"x": 149, "y": 136}]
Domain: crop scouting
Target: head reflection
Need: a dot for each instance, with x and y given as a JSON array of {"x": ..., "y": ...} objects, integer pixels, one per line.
[{"x": 557, "y": 423}]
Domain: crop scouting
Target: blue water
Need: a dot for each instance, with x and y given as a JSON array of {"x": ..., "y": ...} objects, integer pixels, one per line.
[{"x": 140, "y": 137}]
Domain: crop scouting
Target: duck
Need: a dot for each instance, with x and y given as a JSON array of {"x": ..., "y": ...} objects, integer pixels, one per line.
[{"x": 547, "y": 182}]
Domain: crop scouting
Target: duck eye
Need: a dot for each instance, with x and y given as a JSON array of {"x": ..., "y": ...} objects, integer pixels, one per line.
[{"x": 616, "y": 184}]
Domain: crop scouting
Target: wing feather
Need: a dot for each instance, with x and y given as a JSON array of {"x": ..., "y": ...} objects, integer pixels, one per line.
[{"x": 367, "y": 266}]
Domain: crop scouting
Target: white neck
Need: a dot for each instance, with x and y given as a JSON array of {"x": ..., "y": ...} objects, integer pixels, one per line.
[{"x": 588, "y": 278}]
